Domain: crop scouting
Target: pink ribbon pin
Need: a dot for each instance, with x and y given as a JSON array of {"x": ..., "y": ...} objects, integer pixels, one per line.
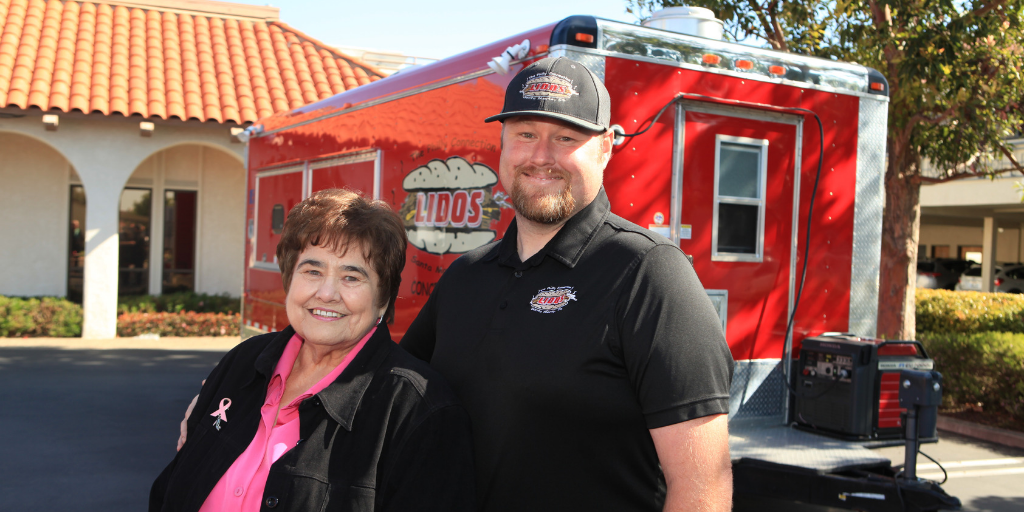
[{"x": 222, "y": 413}]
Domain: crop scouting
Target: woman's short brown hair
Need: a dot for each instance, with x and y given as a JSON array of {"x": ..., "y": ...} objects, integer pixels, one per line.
[{"x": 337, "y": 218}]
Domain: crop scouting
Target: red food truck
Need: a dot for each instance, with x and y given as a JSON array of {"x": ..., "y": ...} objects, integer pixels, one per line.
[{"x": 765, "y": 167}]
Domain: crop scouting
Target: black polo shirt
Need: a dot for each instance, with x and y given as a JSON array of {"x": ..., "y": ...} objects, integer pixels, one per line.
[{"x": 565, "y": 361}]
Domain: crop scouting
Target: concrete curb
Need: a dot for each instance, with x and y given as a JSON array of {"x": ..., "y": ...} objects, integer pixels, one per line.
[
  {"x": 207, "y": 343},
  {"x": 990, "y": 434}
]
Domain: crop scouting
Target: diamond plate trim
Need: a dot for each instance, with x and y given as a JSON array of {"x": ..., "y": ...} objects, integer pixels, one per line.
[
  {"x": 867, "y": 217},
  {"x": 784, "y": 445},
  {"x": 757, "y": 392},
  {"x": 593, "y": 62}
]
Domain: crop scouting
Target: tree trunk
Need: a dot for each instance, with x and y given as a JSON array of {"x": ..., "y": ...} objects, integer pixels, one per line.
[{"x": 901, "y": 225}]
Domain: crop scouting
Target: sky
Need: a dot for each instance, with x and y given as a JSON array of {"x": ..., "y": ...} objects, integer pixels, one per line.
[{"x": 432, "y": 29}]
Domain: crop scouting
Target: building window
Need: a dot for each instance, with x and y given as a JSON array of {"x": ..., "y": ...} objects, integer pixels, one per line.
[
  {"x": 179, "y": 241},
  {"x": 740, "y": 170},
  {"x": 76, "y": 243},
  {"x": 970, "y": 252},
  {"x": 277, "y": 219},
  {"x": 133, "y": 231},
  {"x": 940, "y": 251}
]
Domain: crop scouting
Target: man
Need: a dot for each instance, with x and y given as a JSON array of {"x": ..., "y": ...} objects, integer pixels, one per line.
[
  {"x": 583, "y": 346},
  {"x": 590, "y": 360}
]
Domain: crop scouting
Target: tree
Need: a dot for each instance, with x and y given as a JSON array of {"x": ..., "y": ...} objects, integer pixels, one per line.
[{"x": 954, "y": 71}]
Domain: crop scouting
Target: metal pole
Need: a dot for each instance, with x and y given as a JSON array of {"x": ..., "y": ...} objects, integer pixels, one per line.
[{"x": 910, "y": 455}]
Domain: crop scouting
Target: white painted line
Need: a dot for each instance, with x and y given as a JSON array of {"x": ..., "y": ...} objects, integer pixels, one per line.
[
  {"x": 970, "y": 463},
  {"x": 974, "y": 473}
]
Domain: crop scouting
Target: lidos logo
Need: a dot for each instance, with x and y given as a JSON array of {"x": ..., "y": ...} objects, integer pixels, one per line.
[
  {"x": 552, "y": 299},
  {"x": 450, "y": 206},
  {"x": 548, "y": 86}
]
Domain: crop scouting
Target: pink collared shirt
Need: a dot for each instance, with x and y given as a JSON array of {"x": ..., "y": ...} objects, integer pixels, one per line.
[{"x": 241, "y": 487}]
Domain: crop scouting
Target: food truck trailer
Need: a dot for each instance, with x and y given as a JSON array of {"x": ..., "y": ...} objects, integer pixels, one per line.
[{"x": 766, "y": 168}]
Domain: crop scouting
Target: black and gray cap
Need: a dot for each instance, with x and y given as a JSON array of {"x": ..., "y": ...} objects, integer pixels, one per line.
[{"x": 559, "y": 88}]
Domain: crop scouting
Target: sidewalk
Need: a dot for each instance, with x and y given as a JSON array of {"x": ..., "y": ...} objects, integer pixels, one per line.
[{"x": 211, "y": 343}]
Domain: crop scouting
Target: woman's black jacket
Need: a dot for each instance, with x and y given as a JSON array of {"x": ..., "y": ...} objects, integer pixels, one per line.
[{"x": 387, "y": 435}]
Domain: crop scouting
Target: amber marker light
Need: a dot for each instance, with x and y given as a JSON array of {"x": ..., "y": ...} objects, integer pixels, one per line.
[
  {"x": 877, "y": 86},
  {"x": 777, "y": 70},
  {"x": 584, "y": 38},
  {"x": 744, "y": 64},
  {"x": 711, "y": 59}
]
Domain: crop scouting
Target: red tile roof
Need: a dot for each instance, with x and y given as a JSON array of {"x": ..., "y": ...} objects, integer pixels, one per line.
[{"x": 162, "y": 62}]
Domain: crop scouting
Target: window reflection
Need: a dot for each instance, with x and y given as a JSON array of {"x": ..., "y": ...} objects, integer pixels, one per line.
[
  {"x": 76, "y": 243},
  {"x": 179, "y": 241},
  {"x": 133, "y": 231}
]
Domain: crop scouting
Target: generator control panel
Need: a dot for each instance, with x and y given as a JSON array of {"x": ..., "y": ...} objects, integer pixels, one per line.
[
  {"x": 848, "y": 386},
  {"x": 828, "y": 365}
]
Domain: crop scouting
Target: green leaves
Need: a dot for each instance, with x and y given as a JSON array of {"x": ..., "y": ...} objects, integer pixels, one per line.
[
  {"x": 46, "y": 316},
  {"x": 179, "y": 314},
  {"x": 985, "y": 368}
]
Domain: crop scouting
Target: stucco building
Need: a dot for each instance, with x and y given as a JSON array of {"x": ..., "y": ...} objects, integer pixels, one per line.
[
  {"x": 981, "y": 219},
  {"x": 120, "y": 169}
]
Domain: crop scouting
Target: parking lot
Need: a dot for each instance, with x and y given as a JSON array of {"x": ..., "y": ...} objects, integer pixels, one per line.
[{"x": 88, "y": 429}]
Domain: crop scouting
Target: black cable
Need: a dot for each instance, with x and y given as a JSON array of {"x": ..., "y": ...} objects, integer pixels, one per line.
[
  {"x": 807, "y": 242},
  {"x": 657, "y": 116},
  {"x": 945, "y": 476},
  {"x": 899, "y": 493}
]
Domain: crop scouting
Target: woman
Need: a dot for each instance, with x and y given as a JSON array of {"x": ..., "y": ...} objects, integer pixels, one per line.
[{"x": 328, "y": 414}]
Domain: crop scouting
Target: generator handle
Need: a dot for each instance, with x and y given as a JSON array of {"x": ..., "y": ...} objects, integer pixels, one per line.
[{"x": 905, "y": 342}]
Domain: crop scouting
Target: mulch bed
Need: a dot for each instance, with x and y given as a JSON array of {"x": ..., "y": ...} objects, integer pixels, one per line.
[{"x": 995, "y": 419}]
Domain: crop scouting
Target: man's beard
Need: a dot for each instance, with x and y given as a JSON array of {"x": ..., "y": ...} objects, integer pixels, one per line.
[{"x": 551, "y": 208}]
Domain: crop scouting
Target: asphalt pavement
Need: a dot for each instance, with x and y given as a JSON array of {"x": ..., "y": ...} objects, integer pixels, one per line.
[{"x": 90, "y": 429}]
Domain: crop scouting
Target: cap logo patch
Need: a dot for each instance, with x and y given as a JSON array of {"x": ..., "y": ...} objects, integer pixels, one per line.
[
  {"x": 548, "y": 86},
  {"x": 552, "y": 299}
]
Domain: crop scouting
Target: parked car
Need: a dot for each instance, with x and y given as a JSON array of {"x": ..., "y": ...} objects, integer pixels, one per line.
[
  {"x": 940, "y": 273},
  {"x": 1010, "y": 279},
  {"x": 971, "y": 278},
  {"x": 1007, "y": 278}
]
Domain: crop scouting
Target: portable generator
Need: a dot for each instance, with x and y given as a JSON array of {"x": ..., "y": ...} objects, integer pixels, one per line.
[{"x": 847, "y": 386}]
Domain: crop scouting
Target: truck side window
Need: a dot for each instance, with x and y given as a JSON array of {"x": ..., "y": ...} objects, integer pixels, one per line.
[
  {"x": 277, "y": 219},
  {"x": 738, "y": 231}
]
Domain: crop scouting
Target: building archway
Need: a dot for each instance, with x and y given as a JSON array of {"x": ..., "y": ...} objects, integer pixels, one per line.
[
  {"x": 182, "y": 222},
  {"x": 35, "y": 180}
]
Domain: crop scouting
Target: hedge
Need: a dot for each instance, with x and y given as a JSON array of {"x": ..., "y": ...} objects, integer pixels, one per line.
[
  {"x": 44, "y": 316},
  {"x": 178, "y": 302},
  {"x": 984, "y": 368},
  {"x": 169, "y": 315},
  {"x": 942, "y": 311},
  {"x": 178, "y": 324}
]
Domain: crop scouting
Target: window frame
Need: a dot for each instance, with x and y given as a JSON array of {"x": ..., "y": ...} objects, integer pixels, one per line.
[{"x": 761, "y": 145}]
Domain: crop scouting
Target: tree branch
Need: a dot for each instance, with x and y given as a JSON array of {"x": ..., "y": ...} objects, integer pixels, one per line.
[
  {"x": 981, "y": 11},
  {"x": 883, "y": 21},
  {"x": 964, "y": 175},
  {"x": 769, "y": 32},
  {"x": 1009, "y": 156},
  {"x": 778, "y": 31},
  {"x": 919, "y": 118}
]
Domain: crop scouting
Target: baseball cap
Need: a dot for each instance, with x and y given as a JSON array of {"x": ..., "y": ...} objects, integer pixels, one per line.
[{"x": 558, "y": 88}]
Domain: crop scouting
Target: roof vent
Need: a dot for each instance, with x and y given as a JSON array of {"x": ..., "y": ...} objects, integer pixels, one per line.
[{"x": 694, "y": 21}]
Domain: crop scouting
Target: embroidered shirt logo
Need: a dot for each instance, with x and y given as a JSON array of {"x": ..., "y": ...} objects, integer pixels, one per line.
[
  {"x": 548, "y": 86},
  {"x": 552, "y": 299}
]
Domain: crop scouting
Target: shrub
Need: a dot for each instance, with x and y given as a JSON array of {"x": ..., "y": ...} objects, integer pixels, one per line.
[
  {"x": 43, "y": 316},
  {"x": 178, "y": 302},
  {"x": 178, "y": 324},
  {"x": 984, "y": 367},
  {"x": 942, "y": 311}
]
